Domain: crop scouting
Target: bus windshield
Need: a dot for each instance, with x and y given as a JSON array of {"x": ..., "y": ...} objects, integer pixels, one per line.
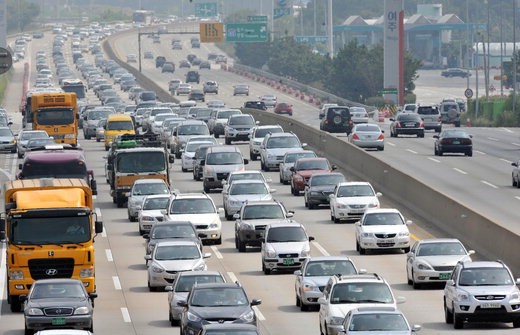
[
  {"x": 55, "y": 116},
  {"x": 75, "y": 169},
  {"x": 50, "y": 230}
]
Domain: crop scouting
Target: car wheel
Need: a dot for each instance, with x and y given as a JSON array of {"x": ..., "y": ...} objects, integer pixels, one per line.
[
  {"x": 298, "y": 301},
  {"x": 435, "y": 152},
  {"x": 518, "y": 184},
  {"x": 406, "y": 250},
  {"x": 470, "y": 153},
  {"x": 380, "y": 148},
  {"x": 438, "y": 130},
  {"x": 173, "y": 322},
  {"x": 91, "y": 329},
  {"x": 13, "y": 151},
  {"x": 311, "y": 205},
  {"x": 457, "y": 123},
  {"x": 303, "y": 307},
  {"x": 184, "y": 170},
  {"x": 141, "y": 232},
  {"x": 228, "y": 141},
  {"x": 362, "y": 251},
  {"x": 283, "y": 182},
  {"x": 120, "y": 202},
  {"x": 409, "y": 281},
  {"x": 252, "y": 156},
  {"x": 516, "y": 324},
  {"x": 420, "y": 135},
  {"x": 217, "y": 135},
  {"x": 265, "y": 269},
  {"x": 513, "y": 181},
  {"x": 28, "y": 331},
  {"x": 458, "y": 322},
  {"x": 98, "y": 140},
  {"x": 306, "y": 204},
  {"x": 415, "y": 284},
  {"x": 241, "y": 246},
  {"x": 294, "y": 191},
  {"x": 20, "y": 155},
  {"x": 219, "y": 240},
  {"x": 439, "y": 152},
  {"x": 178, "y": 155},
  {"x": 151, "y": 288}
]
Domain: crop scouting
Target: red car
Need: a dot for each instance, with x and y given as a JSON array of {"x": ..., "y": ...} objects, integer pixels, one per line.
[
  {"x": 304, "y": 168},
  {"x": 283, "y": 108}
]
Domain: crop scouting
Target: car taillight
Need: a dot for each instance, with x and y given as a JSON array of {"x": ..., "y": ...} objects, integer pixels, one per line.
[
  {"x": 445, "y": 141},
  {"x": 355, "y": 137},
  {"x": 439, "y": 119},
  {"x": 421, "y": 124},
  {"x": 381, "y": 137},
  {"x": 398, "y": 125}
]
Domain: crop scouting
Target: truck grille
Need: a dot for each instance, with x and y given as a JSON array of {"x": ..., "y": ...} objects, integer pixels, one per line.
[{"x": 51, "y": 268}]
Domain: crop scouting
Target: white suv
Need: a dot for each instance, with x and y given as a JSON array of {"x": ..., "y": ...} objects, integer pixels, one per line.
[
  {"x": 257, "y": 136},
  {"x": 199, "y": 209},
  {"x": 274, "y": 147},
  {"x": 382, "y": 228},
  {"x": 345, "y": 292},
  {"x": 482, "y": 292}
]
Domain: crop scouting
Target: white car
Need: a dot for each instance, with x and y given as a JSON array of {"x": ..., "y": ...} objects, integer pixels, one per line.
[
  {"x": 350, "y": 200},
  {"x": 243, "y": 175},
  {"x": 215, "y": 104},
  {"x": 359, "y": 114},
  {"x": 184, "y": 89},
  {"x": 170, "y": 257},
  {"x": 257, "y": 136},
  {"x": 189, "y": 152},
  {"x": 140, "y": 189},
  {"x": 382, "y": 228},
  {"x": 433, "y": 260},
  {"x": 241, "y": 191},
  {"x": 377, "y": 320},
  {"x": 199, "y": 209},
  {"x": 268, "y": 100},
  {"x": 150, "y": 212}
]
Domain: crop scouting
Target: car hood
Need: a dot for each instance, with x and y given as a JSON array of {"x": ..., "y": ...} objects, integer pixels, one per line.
[
  {"x": 357, "y": 200},
  {"x": 179, "y": 296},
  {"x": 57, "y": 302},
  {"x": 179, "y": 264},
  {"x": 7, "y": 138},
  {"x": 151, "y": 212},
  {"x": 489, "y": 290},
  {"x": 194, "y": 218},
  {"x": 385, "y": 229},
  {"x": 308, "y": 173},
  {"x": 264, "y": 222},
  {"x": 322, "y": 188},
  {"x": 289, "y": 247},
  {"x": 317, "y": 280},
  {"x": 281, "y": 151},
  {"x": 385, "y": 332},
  {"x": 442, "y": 260},
  {"x": 340, "y": 310},
  {"x": 226, "y": 312}
]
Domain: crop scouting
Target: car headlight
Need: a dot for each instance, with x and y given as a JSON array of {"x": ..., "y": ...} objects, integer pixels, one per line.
[
  {"x": 247, "y": 226},
  {"x": 81, "y": 310},
  {"x": 193, "y": 317},
  {"x": 200, "y": 267},
  {"x": 341, "y": 205},
  {"x": 235, "y": 203},
  {"x": 248, "y": 316},
  {"x": 404, "y": 233},
  {"x": 367, "y": 234},
  {"x": 310, "y": 287},
  {"x": 462, "y": 296},
  {"x": 424, "y": 266},
  {"x": 70, "y": 136},
  {"x": 271, "y": 156},
  {"x": 298, "y": 178},
  {"x": 34, "y": 311},
  {"x": 15, "y": 275},
  {"x": 157, "y": 269},
  {"x": 270, "y": 252},
  {"x": 147, "y": 218},
  {"x": 515, "y": 296},
  {"x": 86, "y": 273},
  {"x": 336, "y": 320},
  {"x": 208, "y": 170},
  {"x": 306, "y": 251}
]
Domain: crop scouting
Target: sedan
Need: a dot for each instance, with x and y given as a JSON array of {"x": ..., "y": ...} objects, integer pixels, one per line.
[
  {"x": 314, "y": 275},
  {"x": 319, "y": 187},
  {"x": 241, "y": 191},
  {"x": 377, "y": 320},
  {"x": 170, "y": 257},
  {"x": 268, "y": 100},
  {"x": 433, "y": 260},
  {"x": 350, "y": 200},
  {"x": 406, "y": 124},
  {"x": 71, "y": 305},
  {"x": 453, "y": 141},
  {"x": 359, "y": 114},
  {"x": 7, "y": 140},
  {"x": 288, "y": 162},
  {"x": 184, "y": 63},
  {"x": 140, "y": 189},
  {"x": 283, "y": 108},
  {"x": 184, "y": 89},
  {"x": 150, "y": 211},
  {"x": 171, "y": 231},
  {"x": 367, "y": 135},
  {"x": 188, "y": 154},
  {"x": 241, "y": 89}
]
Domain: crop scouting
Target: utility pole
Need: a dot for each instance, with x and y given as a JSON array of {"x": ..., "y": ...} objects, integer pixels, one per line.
[
  {"x": 476, "y": 79},
  {"x": 501, "y": 53},
  {"x": 331, "y": 31},
  {"x": 514, "y": 56},
  {"x": 487, "y": 59}
]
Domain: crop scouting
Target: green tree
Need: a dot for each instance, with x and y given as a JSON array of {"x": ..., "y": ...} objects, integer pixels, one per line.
[
  {"x": 21, "y": 14},
  {"x": 252, "y": 54}
]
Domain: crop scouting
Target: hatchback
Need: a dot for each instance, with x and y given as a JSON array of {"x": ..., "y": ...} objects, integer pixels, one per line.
[
  {"x": 168, "y": 67},
  {"x": 7, "y": 140},
  {"x": 141, "y": 189}
]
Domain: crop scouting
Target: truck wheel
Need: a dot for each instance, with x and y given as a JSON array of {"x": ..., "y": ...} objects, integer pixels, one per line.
[
  {"x": 120, "y": 201},
  {"x": 16, "y": 305}
]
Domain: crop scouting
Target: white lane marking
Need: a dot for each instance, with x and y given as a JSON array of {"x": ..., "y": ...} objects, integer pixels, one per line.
[
  {"x": 232, "y": 277},
  {"x": 14, "y": 166},
  {"x": 488, "y": 184},
  {"x": 410, "y": 150},
  {"x": 460, "y": 171},
  {"x": 259, "y": 314},
  {"x": 216, "y": 252},
  {"x": 505, "y": 160},
  {"x": 2, "y": 273},
  {"x": 108, "y": 252},
  {"x": 320, "y": 248},
  {"x": 104, "y": 233},
  {"x": 7, "y": 174},
  {"x": 508, "y": 130},
  {"x": 492, "y": 139},
  {"x": 126, "y": 315},
  {"x": 517, "y": 197},
  {"x": 479, "y": 152},
  {"x": 117, "y": 283},
  {"x": 517, "y": 144},
  {"x": 434, "y": 160},
  {"x": 391, "y": 144}
]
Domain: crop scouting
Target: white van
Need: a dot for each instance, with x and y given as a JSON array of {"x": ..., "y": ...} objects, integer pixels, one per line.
[{"x": 219, "y": 163}]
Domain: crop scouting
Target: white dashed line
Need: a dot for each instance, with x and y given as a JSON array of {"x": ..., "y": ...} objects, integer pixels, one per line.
[
  {"x": 216, "y": 252},
  {"x": 488, "y": 184},
  {"x": 108, "y": 252},
  {"x": 126, "y": 315},
  {"x": 259, "y": 314},
  {"x": 232, "y": 277},
  {"x": 460, "y": 171},
  {"x": 410, "y": 150},
  {"x": 505, "y": 160},
  {"x": 391, "y": 144},
  {"x": 508, "y": 130},
  {"x": 517, "y": 197},
  {"x": 492, "y": 139},
  {"x": 320, "y": 248},
  {"x": 479, "y": 152},
  {"x": 117, "y": 283},
  {"x": 517, "y": 144},
  {"x": 434, "y": 160}
]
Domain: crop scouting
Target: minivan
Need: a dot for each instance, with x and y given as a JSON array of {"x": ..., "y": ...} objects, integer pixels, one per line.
[
  {"x": 220, "y": 161},
  {"x": 431, "y": 117}
]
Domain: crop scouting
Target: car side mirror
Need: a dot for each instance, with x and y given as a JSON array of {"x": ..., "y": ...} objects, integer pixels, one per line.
[
  {"x": 471, "y": 252},
  {"x": 450, "y": 282},
  {"x": 304, "y": 145},
  {"x": 379, "y": 194},
  {"x": 322, "y": 301},
  {"x": 147, "y": 257},
  {"x": 298, "y": 273},
  {"x": 246, "y": 161},
  {"x": 182, "y": 303},
  {"x": 236, "y": 216},
  {"x": 202, "y": 162},
  {"x": 146, "y": 236},
  {"x": 207, "y": 255},
  {"x": 292, "y": 169},
  {"x": 416, "y": 328},
  {"x": 255, "y": 302},
  {"x": 409, "y": 222},
  {"x": 334, "y": 167},
  {"x": 168, "y": 288},
  {"x": 311, "y": 238},
  {"x": 400, "y": 300},
  {"x": 435, "y": 136}
]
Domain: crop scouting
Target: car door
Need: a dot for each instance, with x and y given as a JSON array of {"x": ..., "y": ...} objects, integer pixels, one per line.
[
  {"x": 410, "y": 259},
  {"x": 324, "y": 308},
  {"x": 451, "y": 290}
]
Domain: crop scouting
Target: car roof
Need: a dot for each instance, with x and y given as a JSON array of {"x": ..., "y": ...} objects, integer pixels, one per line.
[
  {"x": 328, "y": 258},
  {"x": 157, "y": 196},
  {"x": 285, "y": 224},
  {"x": 192, "y": 195},
  {"x": 176, "y": 242},
  {"x": 230, "y": 326},
  {"x": 353, "y": 183},
  {"x": 149, "y": 181},
  {"x": 438, "y": 240},
  {"x": 223, "y": 148},
  {"x": 284, "y": 134},
  {"x": 366, "y": 277},
  {"x": 248, "y": 181},
  {"x": 199, "y": 273},
  {"x": 381, "y": 210},
  {"x": 58, "y": 281},
  {"x": 216, "y": 285},
  {"x": 379, "y": 309},
  {"x": 484, "y": 264},
  {"x": 327, "y": 174}
]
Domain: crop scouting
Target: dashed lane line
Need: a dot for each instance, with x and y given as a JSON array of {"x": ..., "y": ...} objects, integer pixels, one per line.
[
  {"x": 259, "y": 314},
  {"x": 488, "y": 184},
  {"x": 505, "y": 160},
  {"x": 232, "y": 277},
  {"x": 126, "y": 315},
  {"x": 320, "y": 248},
  {"x": 434, "y": 160},
  {"x": 108, "y": 253},
  {"x": 412, "y": 151},
  {"x": 216, "y": 252},
  {"x": 117, "y": 283},
  {"x": 460, "y": 171}
]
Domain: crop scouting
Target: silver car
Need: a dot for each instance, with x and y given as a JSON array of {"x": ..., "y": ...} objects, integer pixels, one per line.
[
  {"x": 182, "y": 286},
  {"x": 431, "y": 117},
  {"x": 257, "y": 136},
  {"x": 367, "y": 135},
  {"x": 288, "y": 162},
  {"x": 359, "y": 114},
  {"x": 141, "y": 189},
  {"x": 150, "y": 212},
  {"x": 314, "y": 274},
  {"x": 241, "y": 191},
  {"x": 241, "y": 89},
  {"x": 7, "y": 140},
  {"x": 170, "y": 257},
  {"x": 23, "y": 138}
]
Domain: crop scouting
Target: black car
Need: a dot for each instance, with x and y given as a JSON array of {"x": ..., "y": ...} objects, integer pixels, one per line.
[
  {"x": 337, "y": 119},
  {"x": 196, "y": 95},
  {"x": 171, "y": 231},
  {"x": 184, "y": 63},
  {"x": 159, "y": 61},
  {"x": 204, "y": 65},
  {"x": 455, "y": 72},
  {"x": 319, "y": 187},
  {"x": 191, "y": 57},
  {"x": 407, "y": 124},
  {"x": 192, "y": 77},
  {"x": 453, "y": 141},
  {"x": 218, "y": 301},
  {"x": 168, "y": 67},
  {"x": 255, "y": 105}
]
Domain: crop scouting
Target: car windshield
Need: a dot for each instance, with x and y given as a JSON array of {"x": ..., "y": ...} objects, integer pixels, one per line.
[
  {"x": 368, "y": 128},
  {"x": 203, "y": 112},
  {"x": 485, "y": 277},
  {"x": 192, "y": 206},
  {"x": 382, "y": 219},
  {"x": 455, "y": 133},
  {"x": 226, "y": 114},
  {"x": 312, "y": 165},
  {"x": 329, "y": 268},
  {"x": 57, "y": 290},
  {"x": 355, "y": 191},
  {"x": 37, "y": 142},
  {"x": 378, "y": 322},
  {"x": 293, "y": 157},
  {"x": 155, "y": 203},
  {"x": 98, "y": 114},
  {"x": 185, "y": 283},
  {"x": 332, "y": 179},
  {"x": 258, "y": 212},
  {"x": 224, "y": 158},
  {"x": 241, "y": 120},
  {"x": 245, "y": 176},
  {"x": 176, "y": 252},
  {"x": 120, "y": 125},
  {"x": 37, "y": 134},
  {"x": 6, "y": 132},
  {"x": 149, "y": 189},
  {"x": 286, "y": 234},
  {"x": 361, "y": 293},
  {"x": 441, "y": 249},
  {"x": 173, "y": 231},
  {"x": 427, "y": 110},
  {"x": 193, "y": 146},
  {"x": 194, "y": 129},
  {"x": 260, "y": 133},
  {"x": 283, "y": 142},
  {"x": 217, "y": 297},
  {"x": 136, "y": 162},
  {"x": 249, "y": 188}
]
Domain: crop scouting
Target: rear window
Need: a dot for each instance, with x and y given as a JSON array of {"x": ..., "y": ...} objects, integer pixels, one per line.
[
  {"x": 344, "y": 112},
  {"x": 408, "y": 117},
  {"x": 427, "y": 111}
]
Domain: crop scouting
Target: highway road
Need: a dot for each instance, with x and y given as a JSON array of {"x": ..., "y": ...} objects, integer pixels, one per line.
[{"x": 125, "y": 306}]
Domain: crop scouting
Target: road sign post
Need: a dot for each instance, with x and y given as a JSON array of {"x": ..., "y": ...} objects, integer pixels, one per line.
[{"x": 246, "y": 32}]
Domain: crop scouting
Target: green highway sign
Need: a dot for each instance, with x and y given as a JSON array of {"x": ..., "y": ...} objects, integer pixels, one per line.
[
  {"x": 311, "y": 39},
  {"x": 283, "y": 11},
  {"x": 257, "y": 18},
  {"x": 246, "y": 32},
  {"x": 208, "y": 9},
  {"x": 388, "y": 91}
]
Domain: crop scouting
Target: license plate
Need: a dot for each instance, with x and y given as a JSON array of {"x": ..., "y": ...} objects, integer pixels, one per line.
[
  {"x": 456, "y": 142},
  {"x": 410, "y": 124},
  {"x": 288, "y": 261},
  {"x": 490, "y": 305},
  {"x": 385, "y": 241},
  {"x": 59, "y": 321},
  {"x": 444, "y": 276}
]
